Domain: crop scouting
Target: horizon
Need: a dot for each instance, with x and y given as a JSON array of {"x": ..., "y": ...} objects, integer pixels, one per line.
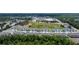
[{"x": 39, "y": 14}]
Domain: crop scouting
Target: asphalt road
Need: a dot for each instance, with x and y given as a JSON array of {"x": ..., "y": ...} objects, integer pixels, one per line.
[{"x": 76, "y": 40}]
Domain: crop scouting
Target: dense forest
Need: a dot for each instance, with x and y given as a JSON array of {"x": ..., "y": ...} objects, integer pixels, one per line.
[
  {"x": 6, "y": 16},
  {"x": 35, "y": 40}
]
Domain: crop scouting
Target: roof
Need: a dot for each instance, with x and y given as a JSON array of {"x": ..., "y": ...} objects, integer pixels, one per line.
[{"x": 50, "y": 19}]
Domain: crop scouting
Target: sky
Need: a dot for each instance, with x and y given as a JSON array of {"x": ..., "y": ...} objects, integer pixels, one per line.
[{"x": 39, "y": 6}]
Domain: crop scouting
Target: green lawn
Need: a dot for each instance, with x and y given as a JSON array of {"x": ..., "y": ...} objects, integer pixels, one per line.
[{"x": 46, "y": 25}]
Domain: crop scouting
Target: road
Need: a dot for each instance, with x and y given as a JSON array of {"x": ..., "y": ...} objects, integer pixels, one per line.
[
  {"x": 59, "y": 21},
  {"x": 76, "y": 40}
]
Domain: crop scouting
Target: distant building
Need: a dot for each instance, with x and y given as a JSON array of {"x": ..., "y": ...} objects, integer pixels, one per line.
[
  {"x": 76, "y": 19},
  {"x": 43, "y": 19}
]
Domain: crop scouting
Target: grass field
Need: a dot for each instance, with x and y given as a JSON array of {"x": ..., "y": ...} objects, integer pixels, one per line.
[{"x": 46, "y": 25}]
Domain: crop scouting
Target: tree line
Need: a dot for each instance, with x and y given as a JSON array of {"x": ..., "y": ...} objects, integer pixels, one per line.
[
  {"x": 69, "y": 19},
  {"x": 35, "y": 40}
]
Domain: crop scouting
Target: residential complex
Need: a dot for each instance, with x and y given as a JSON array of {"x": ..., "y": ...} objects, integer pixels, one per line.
[
  {"x": 38, "y": 25},
  {"x": 50, "y": 28}
]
